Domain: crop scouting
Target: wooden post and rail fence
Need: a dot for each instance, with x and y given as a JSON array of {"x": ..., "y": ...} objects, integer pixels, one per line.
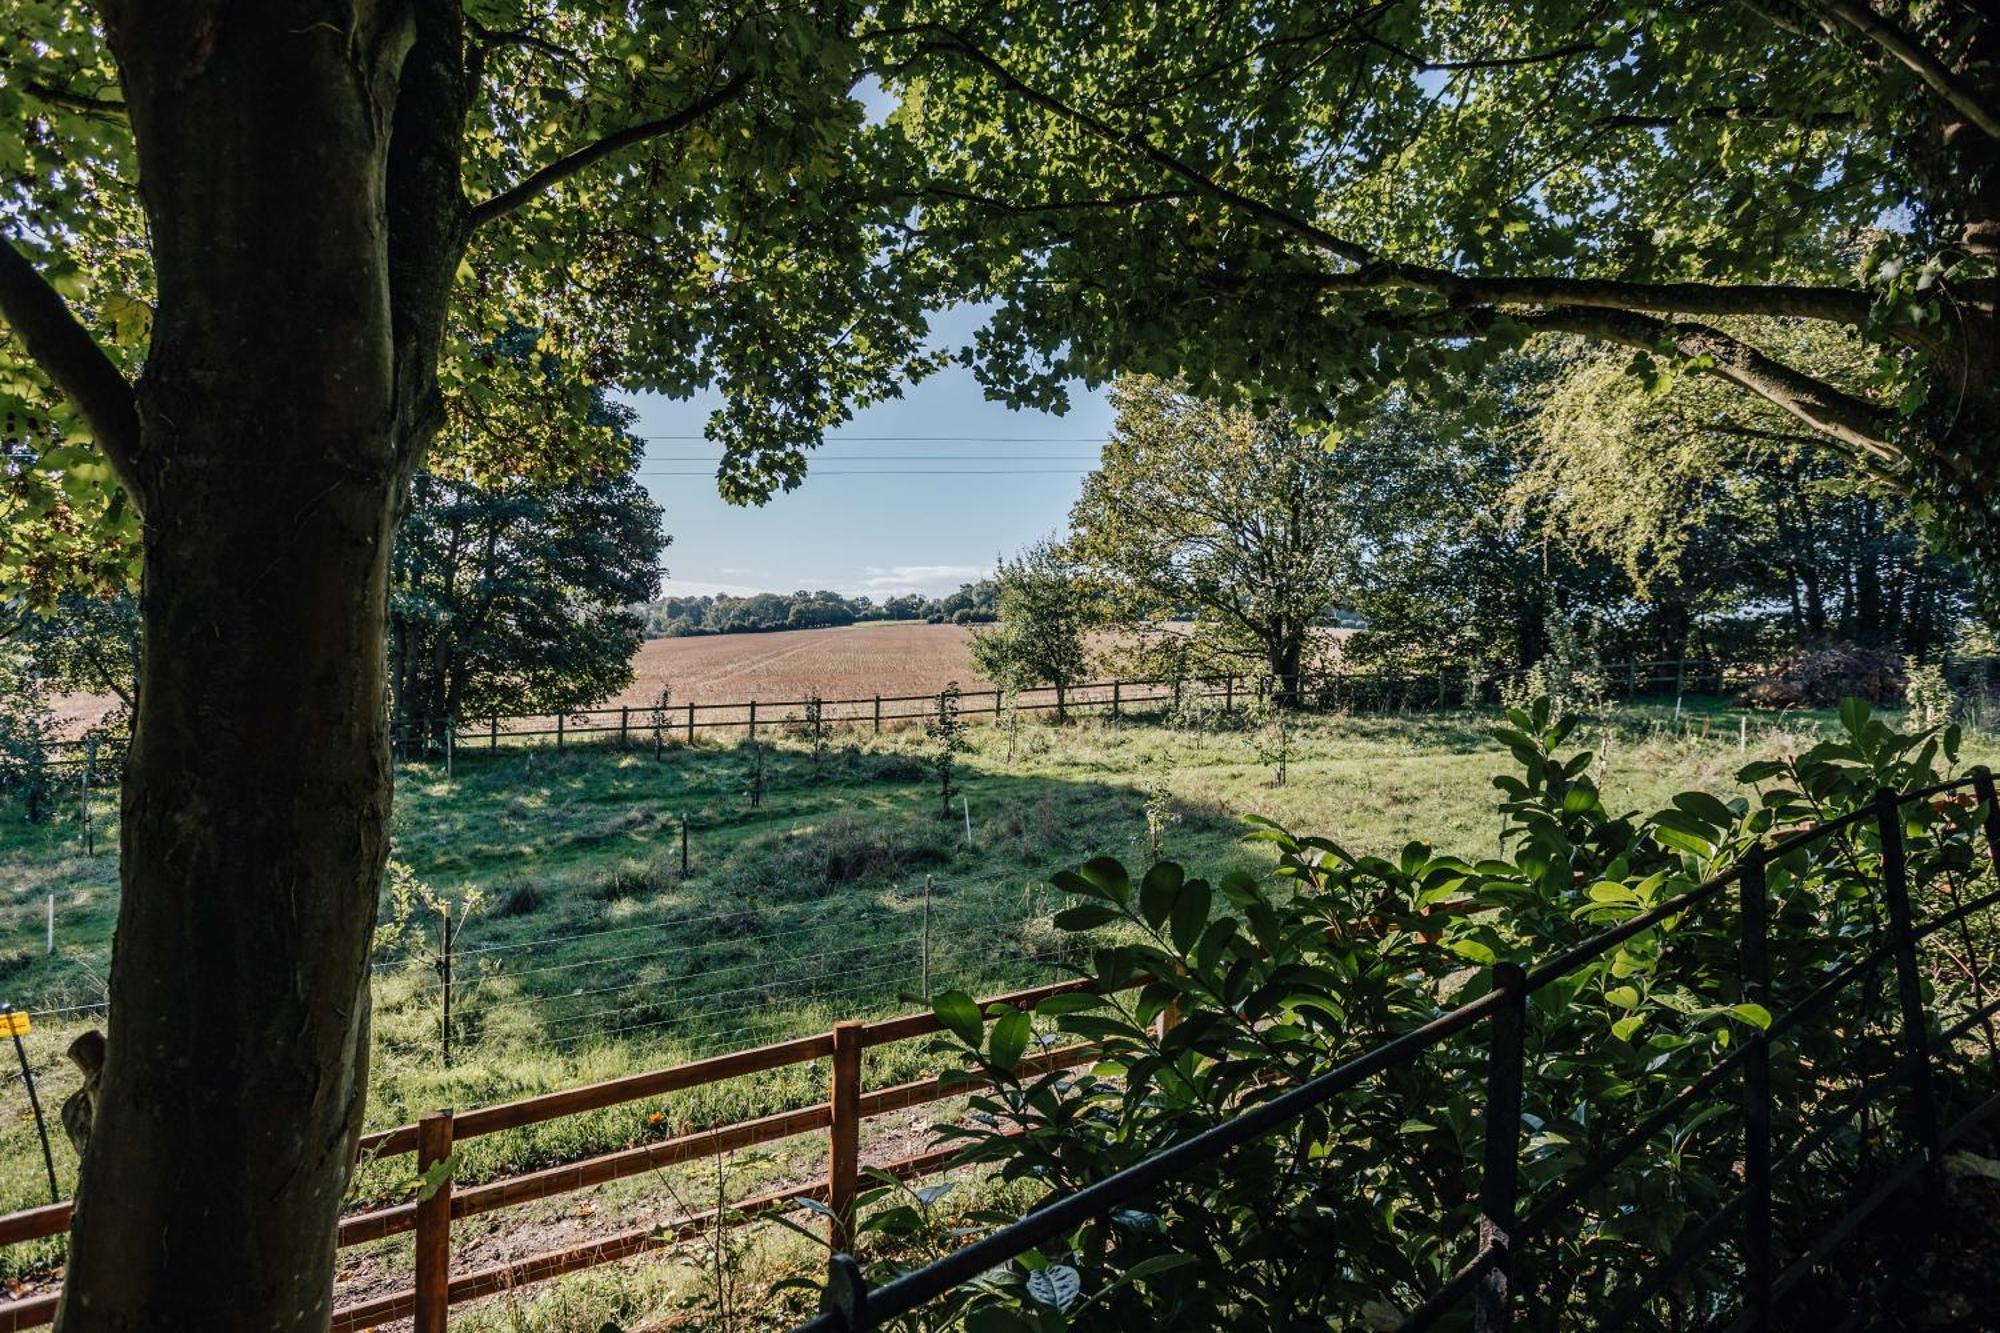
[
  {"x": 441, "y": 1201},
  {"x": 1357, "y": 691},
  {"x": 1361, "y": 691}
]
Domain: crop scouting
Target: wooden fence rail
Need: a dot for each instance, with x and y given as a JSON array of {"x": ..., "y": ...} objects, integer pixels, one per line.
[
  {"x": 433, "y": 1137},
  {"x": 633, "y": 724},
  {"x": 629, "y": 724}
]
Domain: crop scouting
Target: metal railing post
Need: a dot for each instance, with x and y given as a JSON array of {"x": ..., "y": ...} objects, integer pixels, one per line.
[
  {"x": 843, "y": 1158},
  {"x": 1909, "y": 986},
  {"x": 1754, "y": 961},
  {"x": 433, "y": 1246},
  {"x": 1500, "y": 1174}
]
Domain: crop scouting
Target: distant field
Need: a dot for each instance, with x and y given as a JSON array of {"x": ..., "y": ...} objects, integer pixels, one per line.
[
  {"x": 848, "y": 662},
  {"x": 852, "y": 661}
]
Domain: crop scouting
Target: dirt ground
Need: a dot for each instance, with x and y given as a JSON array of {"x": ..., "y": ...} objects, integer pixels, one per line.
[{"x": 848, "y": 662}]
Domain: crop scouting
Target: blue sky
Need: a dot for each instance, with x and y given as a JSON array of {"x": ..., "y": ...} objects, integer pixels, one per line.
[{"x": 876, "y": 516}]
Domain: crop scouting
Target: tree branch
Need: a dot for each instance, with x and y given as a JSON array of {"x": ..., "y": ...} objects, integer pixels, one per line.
[
  {"x": 1909, "y": 52},
  {"x": 1829, "y": 304},
  {"x": 72, "y": 359},
  {"x": 1852, "y": 420},
  {"x": 1834, "y": 305},
  {"x": 500, "y": 205},
  {"x": 945, "y": 40},
  {"x": 101, "y": 108},
  {"x": 1738, "y": 115}
]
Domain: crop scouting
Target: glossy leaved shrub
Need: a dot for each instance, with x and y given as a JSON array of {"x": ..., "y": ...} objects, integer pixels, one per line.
[{"x": 1353, "y": 1215}]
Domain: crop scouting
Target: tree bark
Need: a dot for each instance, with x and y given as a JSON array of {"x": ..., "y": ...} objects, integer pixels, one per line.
[
  {"x": 1283, "y": 653},
  {"x": 278, "y": 416}
]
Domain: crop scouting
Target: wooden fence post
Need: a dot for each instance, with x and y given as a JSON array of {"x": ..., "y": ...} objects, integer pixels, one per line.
[
  {"x": 878, "y": 715},
  {"x": 1500, "y": 1174},
  {"x": 753, "y": 719},
  {"x": 560, "y": 718},
  {"x": 1754, "y": 962},
  {"x": 1982, "y": 788},
  {"x": 1909, "y": 987},
  {"x": 1228, "y": 692},
  {"x": 690, "y": 722},
  {"x": 493, "y": 732},
  {"x": 843, "y": 1158},
  {"x": 1116, "y": 685},
  {"x": 624, "y": 723},
  {"x": 433, "y": 1249}
]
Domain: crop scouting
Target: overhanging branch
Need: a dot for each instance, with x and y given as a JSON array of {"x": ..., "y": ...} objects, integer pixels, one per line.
[
  {"x": 1846, "y": 306},
  {"x": 499, "y": 205},
  {"x": 1852, "y": 420},
  {"x": 74, "y": 362},
  {"x": 1910, "y": 53},
  {"x": 1834, "y": 305}
]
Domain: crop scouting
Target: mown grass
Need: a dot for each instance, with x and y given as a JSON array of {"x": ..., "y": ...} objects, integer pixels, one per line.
[{"x": 593, "y": 955}]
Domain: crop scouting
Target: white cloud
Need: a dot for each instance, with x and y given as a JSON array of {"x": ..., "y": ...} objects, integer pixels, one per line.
[
  {"x": 931, "y": 580},
  {"x": 673, "y": 587}
]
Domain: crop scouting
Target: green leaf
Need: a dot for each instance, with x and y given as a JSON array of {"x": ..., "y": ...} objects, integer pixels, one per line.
[
  {"x": 1009, "y": 1038},
  {"x": 434, "y": 1177},
  {"x": 1157, "y": 892},
  {"x": 1158, "y": 1264},
  {"x": 1086, "y": 916},
  {"x": 1108, "y": 874},
  {"x": 1684, "y": 842},
  {"x": 1756, "y": 1015},
  {"x": 1190, "y": 914},
  {"x": 1056, "y": 1286},
  {"x": 1625, "y": 997},
  {"x": 959, "y": 1013}
]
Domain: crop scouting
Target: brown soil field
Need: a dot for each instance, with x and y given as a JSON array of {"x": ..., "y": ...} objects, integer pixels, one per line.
[{"x": 849, "y": 662}]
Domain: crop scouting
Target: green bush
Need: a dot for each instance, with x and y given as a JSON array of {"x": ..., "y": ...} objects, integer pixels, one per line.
[{"x": 1354, "y": 1214}]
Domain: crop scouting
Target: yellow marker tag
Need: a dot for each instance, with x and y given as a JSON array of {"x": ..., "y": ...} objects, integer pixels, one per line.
[{"x": 15, "y": 1025}]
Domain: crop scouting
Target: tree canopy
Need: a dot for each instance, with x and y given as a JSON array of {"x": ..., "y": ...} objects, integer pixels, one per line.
[
  {"x": 1047, "y": 603},
  {"x": 1316, "y": 197},
  {"x": 1246, "y": 522}
]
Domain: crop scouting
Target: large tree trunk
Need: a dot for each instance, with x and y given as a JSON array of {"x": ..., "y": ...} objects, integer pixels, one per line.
[
  {"x": 1284, "y": 651},
  {"x": 275, "y": 420}
]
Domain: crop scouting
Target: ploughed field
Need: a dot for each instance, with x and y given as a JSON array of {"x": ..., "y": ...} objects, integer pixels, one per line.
[{"x": 846, "y": 662}]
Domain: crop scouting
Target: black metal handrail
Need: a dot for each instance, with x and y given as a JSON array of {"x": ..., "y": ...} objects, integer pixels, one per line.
[{"x": 850, "y": 1306}]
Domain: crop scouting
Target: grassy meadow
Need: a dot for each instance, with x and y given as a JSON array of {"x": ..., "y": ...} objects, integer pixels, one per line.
[{"x": 588, "y": 953}]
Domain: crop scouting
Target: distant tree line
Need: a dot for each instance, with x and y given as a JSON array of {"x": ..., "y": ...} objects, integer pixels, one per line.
[
  {"x": 678, "y": 617},
  {"x": 1551, "y": 503}
]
